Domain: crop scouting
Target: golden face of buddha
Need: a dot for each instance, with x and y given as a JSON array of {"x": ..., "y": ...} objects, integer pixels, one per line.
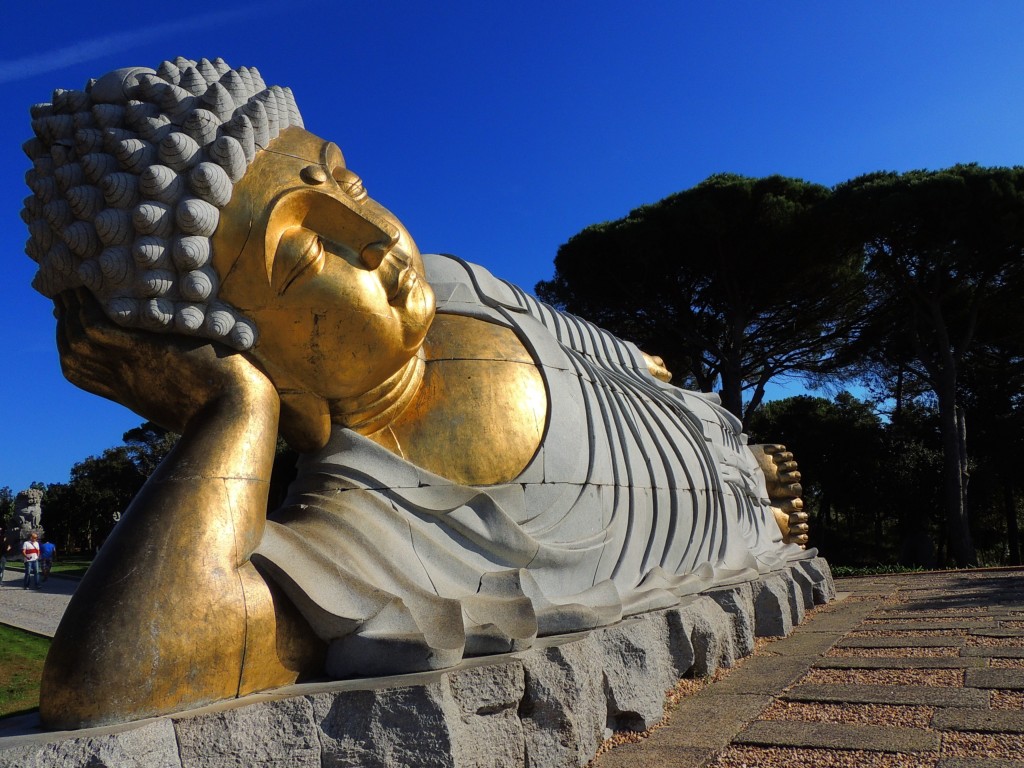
[{"x": 332, "y": 279}]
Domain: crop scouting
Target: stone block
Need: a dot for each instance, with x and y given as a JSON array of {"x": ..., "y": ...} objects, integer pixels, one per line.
[
  {"x": 150, "y": 745},
  {"x": 773, "y": 611},
  {"x": 993, "y": 652},
  {"x": 380, "y": 728},
  {"x": 711, "y": 719},
  {"x": 711, "y": 634},
  {"x": 563, "y": 710},
  {"x": 824, "y": 589},
  {"x": 764, "y": 675},
  {"x": 738, "y": 602},
  {"x": 998, "y": 632},
  {"x": 488, "y": 731},
  {"x": 274, "y": 733},
  {"x": 804, "y": 586},
  {"x": 804, "y": 644},
  {"x": 638, "y": 669},
  {"x": 873, "y": 662}
]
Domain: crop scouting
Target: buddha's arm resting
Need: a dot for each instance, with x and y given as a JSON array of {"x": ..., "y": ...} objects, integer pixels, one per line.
[{"x": 176, "y": 567}]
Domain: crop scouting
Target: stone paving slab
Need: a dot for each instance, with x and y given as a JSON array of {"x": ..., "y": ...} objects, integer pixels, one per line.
[
  {"x": 875, "y": 738},
  {"x": 925, "y": 626},
  {"x": 991, "y": 720},
  {"x": 914, "y": 613},
  {"x": 899, "y": 662},
  {"x": 998, "y": 632},
  {"x": 803, "y": 644},
  {"x": 1008, "y": 679},
  {"x": 918, "y": 641},
  {"x": 710, "y": 720},
  {"x": 930, "y": 696},
  {"x": 840, "y": 621},
  {"x": 994, "y": 652},
  {"x": 978, "y": 762},
  {"x": 765, "y": 674},
  {"x": 648, "y": 754}
]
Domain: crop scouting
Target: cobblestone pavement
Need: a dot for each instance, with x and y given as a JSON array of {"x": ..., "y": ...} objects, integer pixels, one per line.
[
  {"x": 37, "y": 610},
  {"x": 910, "y": 670}
]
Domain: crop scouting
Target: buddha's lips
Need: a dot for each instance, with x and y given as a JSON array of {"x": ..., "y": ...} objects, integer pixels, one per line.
[{"x": 404, "y": 284}]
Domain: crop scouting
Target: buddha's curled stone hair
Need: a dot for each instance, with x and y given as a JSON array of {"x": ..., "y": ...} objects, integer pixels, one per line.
[{"x": 128, "y": 178}]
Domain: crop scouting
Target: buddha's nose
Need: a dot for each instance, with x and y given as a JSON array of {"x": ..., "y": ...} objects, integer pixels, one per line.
[{"x": 373, "y": 254}]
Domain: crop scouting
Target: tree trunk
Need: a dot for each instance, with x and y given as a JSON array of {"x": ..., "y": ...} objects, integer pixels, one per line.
[
  {"x": 732, "y": 392},
  {"x": 961, "y": 547},
  {"x": 1012, "y": 531}
]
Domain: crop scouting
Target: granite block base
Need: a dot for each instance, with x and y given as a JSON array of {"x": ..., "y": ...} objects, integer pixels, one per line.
[{"x": 551, "y": 705}]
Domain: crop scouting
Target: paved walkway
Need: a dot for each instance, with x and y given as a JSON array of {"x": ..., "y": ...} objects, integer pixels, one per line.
[
  {"x": 911, "y": 670},
  {"x": 37, "y": 610}
]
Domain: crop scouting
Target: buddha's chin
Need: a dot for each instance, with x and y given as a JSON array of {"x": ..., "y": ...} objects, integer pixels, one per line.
[{"x": 418, "y": 306}]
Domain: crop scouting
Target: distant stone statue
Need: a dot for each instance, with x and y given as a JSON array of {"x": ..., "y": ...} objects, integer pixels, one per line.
[
  {"x": 478, "y": 469},
  {"x": 28, "y": 512}
]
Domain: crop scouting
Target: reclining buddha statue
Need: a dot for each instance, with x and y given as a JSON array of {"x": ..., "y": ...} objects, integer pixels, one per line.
[{"x": 477, "y": 469}]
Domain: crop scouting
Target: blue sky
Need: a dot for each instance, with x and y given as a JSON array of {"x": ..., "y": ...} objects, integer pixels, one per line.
[{"x": 497, "y": 131}]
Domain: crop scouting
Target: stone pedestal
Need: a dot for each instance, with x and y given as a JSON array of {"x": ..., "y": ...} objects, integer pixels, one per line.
[{"x": 549, "y": 706}]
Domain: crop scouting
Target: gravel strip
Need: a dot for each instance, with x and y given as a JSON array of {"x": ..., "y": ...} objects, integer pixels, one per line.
[
  {"x": 1008, "y": 746},
  {"x": 759, "y": 757},
  {"x": 950, "y": 678},
  {"x": 994, "y": 642},
  {"x": 896, "y": 653},
  {"x": 1015, "y": 623},
  {"x": 868, "y": 714},
  {"x": 1006, "y": 700},
  {"x": 1006, "y": 663}
]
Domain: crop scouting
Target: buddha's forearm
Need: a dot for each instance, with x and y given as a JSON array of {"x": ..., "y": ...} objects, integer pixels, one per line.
[
  {"x": 176, "y": 564},
  {"x": 216, "y": 479}
]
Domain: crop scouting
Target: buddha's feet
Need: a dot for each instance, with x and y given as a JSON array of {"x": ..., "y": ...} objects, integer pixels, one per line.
[{"x": 782, "y": 479}]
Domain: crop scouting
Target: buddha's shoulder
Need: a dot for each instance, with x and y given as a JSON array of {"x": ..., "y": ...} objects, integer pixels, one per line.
[{"x": 481, "y": 410}]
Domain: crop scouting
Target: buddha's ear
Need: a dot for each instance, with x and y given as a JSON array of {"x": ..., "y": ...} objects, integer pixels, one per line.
[{"x": 305, "y": 421}]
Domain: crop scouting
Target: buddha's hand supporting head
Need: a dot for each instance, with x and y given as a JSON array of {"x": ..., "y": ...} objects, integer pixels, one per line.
[{"x": 169, "y": 380}]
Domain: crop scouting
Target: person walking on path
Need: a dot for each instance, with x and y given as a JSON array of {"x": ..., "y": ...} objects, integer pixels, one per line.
[
  {"x": 30, "y": 553},
  {"x": 46, "y": 552},
  {"x": 5, "y": 547}
]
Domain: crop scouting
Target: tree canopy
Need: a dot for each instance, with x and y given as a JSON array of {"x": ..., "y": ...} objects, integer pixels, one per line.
[
  {"x": 944, "y": 256},
  {"x": 733, "y": 283}
]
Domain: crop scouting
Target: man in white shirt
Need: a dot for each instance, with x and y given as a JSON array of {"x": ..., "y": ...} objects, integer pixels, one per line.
[{"x": 30, "y": 552}]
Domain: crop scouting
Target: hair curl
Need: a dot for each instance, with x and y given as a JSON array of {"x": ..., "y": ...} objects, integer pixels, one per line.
[{"x": 128, "y": 178}]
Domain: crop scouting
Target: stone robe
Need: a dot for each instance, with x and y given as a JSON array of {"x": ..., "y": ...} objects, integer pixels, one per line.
[{"x": 641, "y": 493}]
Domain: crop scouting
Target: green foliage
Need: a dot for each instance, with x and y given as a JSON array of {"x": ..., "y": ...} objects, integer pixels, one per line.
[
  {"x": 869, "y": 484},
  {"x": 944, "y": 255},
  {"x": 79, "y": 515},
  {"x": 6, "y": 504},
  {"x": 847, "y": 571},
  {"x": 734, "y": 282}
]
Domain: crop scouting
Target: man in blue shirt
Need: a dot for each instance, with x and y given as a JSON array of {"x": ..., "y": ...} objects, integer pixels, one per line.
[{"x": 46, "y": 552}]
